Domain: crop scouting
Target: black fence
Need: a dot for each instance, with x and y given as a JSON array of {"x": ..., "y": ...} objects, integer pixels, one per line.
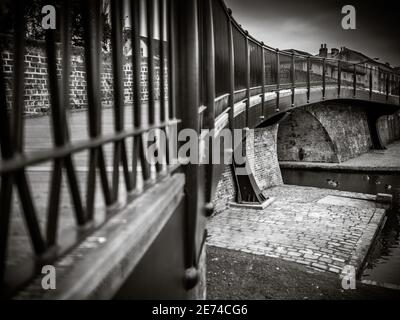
[
  {"x": 210, "y": 63},
  {"x": 284, "y": 70},
  {"x": 130, "y": 160}
]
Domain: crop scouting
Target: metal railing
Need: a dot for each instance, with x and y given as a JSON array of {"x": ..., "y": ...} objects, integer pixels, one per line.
[
  {"x": 212, "y": 64},
  {"x": 15, "y": 162},
  {"x": 257, "y": 65}
]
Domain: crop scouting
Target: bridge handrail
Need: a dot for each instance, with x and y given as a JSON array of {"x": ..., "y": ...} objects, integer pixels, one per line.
[{"x": 388, "y": 81}]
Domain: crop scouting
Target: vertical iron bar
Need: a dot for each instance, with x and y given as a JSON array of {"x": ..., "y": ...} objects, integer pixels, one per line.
[
  {"x": 30, "y": 212},
  {"x": 323, "y": 78},
  {"x": 59, "y": 131},
  {"x": 370, "y": 83},
  {"x": 387, "y": 86},
  {"x": 54, "y": 203},
  {"x": 150, "y": 59},
  {"x": 231, "y": 101},
  {"x": 171, "y": 58},
  {"x": 91, "y": 17},
  {"x": 171, "y": 38},
  {"x": 18, "y": 78},
  {"x": 162, "y": 116},
  {"x": 119, "y": 146},
  {"x": 308, "y": 80},
  {"x": 91, "y": 184},
  {"x": 188, "y": 98},
  {"x": 292, "y": 69},
  {"x": 6, "y": 179},
  {"x": 398, "y": 87},
  {"x": 163, "y": 110},
  {"x": 354, "y": 80},
  {"x": 247, "y": 79},
  {"x": 263, "y": 81},
  {"x": 379, "y": 79},
  {"x": 139, "y": 147},
  {"x": 163, "y": 105},
  {"x": 210, "y": 94},
  {"x": 66, "y": 63},
  {"x": 18, "y": 127},
  {"x": 339, "y": 76},
  {"x": 116, "y": 44},
  {"x": 5, "y": 212},
  {"x": 278, "y": 75}
]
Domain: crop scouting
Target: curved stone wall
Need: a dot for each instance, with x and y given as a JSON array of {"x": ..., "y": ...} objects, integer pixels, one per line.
[{"x": 324, "y": 133}]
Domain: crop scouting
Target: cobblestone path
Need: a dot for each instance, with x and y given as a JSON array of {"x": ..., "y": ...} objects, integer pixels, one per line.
[{"x": 303, "y": 225}]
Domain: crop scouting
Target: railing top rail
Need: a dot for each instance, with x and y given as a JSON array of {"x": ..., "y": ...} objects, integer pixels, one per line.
[{"x": 245, "y": 33}]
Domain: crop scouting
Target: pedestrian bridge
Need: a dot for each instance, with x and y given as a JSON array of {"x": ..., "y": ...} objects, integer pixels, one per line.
[{"x": 77, "y": 191}]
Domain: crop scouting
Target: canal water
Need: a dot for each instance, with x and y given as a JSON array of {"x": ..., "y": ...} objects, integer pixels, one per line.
[{"x": 383, "y": 261}]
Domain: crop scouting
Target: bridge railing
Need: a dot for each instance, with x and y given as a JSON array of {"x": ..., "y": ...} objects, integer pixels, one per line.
[
  {"x": 128, "y": 152},
  {"x": 283, "y": 69}
]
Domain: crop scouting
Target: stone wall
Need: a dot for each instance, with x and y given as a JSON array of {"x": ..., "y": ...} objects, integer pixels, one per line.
[
  {"x": 303, "y": 138},
  {"x": 389, "y": 128},
  {"x": 324, "y": 133},
  {"x": 36, "y": 94}
]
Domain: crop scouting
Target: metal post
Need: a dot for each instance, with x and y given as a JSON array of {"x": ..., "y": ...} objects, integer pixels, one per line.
[
  {"x": 323, "y": 78},
  {"x": 247, "y": 79},
  {"x": 398, "y": 87},
  {"x": 354, "y": 80},
  {"x": 188, "y": 98},
  {"x": 387, "y": 86},
  {"x": 370, "y": 83},
  {"x": 231, "y": 100},
  {"x": 293, "y": 78},
  {"x": 209, "y": 99},
  {"x": 339, "y": 76},
  {"x": 308, "y": 80},
  {"x": 379, "y": 79},
  {"x": 278, "y": 75},
  {"x": 262, "y": 81}
]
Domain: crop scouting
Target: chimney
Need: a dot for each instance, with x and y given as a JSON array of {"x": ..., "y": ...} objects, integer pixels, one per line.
[
  {"x": 323, "y": 51},
  {"x": 334, "y": 51}
]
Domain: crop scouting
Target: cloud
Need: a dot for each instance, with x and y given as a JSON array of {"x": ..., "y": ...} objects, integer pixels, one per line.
[{"x": 304, "y": 25}]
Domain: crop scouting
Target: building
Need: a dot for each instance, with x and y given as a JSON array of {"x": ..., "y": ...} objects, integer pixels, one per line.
[{"x": 365, "y": 65}]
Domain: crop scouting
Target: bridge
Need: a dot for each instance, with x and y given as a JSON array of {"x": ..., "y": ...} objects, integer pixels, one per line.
[{"x": 77, "y": 191}]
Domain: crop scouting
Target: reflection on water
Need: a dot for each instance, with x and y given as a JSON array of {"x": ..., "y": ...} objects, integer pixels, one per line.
[{"x": 383, "y": 264}]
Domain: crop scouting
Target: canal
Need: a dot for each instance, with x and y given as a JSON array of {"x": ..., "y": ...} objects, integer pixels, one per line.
[{"x": 383, "y": 262}]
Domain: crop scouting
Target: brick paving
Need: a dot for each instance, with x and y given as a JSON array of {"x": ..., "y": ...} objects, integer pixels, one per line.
[{"x": 296, "y": 227}]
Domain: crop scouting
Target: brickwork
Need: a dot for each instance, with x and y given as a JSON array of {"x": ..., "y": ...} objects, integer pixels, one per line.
[
  {"x": 328, "y": 133},
  {"x": 389, "y": 128},
  {"x": 262, "y": 155},
  {"x": 303, "y": 138},
  {"x": 225, "y": 191},
  {"x": 347, "y": 126},
  {"x": 36, "y": 95}
]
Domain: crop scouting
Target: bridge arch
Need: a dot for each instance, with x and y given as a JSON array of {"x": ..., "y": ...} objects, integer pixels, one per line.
[{"x": 302, "y": 137}]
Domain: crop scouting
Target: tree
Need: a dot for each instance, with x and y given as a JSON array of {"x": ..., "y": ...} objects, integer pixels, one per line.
[{"x": 33, "y": 18}]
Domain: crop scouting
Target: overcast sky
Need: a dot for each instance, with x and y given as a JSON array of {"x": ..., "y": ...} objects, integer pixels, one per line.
[{"x": 305, "y": 24}]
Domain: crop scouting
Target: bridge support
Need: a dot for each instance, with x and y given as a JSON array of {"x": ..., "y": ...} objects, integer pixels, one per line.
[
  {"x": 247, "y": 190},
  {"x": 376, "y": 139}
]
